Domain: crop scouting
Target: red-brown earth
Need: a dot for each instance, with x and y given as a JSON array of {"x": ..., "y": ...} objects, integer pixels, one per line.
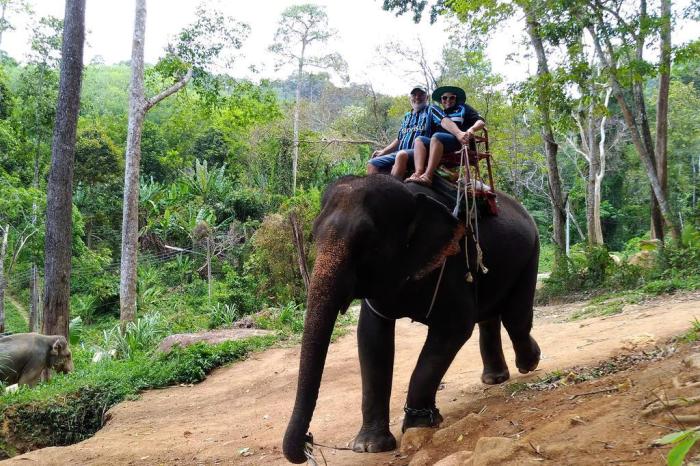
[{"x": 239, "y": 413}]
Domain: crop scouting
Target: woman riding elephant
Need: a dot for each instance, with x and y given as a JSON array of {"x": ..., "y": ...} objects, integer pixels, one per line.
[{"x": 399, "y": 248}]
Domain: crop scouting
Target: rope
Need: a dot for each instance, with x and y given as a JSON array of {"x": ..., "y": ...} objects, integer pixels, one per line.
[
  {"x": 437, "y": 287},
  {"x": 309, "y": 450},
  {"x": 373, "y": 309}
]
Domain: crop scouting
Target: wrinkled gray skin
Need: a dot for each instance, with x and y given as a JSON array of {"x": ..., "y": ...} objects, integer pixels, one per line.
[
  {"x": 383, "y": 240},
  {"x": 24, "y": 356}
]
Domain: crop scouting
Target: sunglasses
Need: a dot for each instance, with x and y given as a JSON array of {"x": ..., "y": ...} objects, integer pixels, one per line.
[{"x": 448, "y": 97}]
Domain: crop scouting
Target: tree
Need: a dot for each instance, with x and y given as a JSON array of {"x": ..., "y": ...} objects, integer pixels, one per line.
[
  {"x": 196, "y": 47},
  {"x": 10, "y": 6},
  {"x": 661, "y": 149},
  {"x": 410, "y": 61},
  {"x": 59, "y": 197},
  {"x": 607, "y": 25},
  {"x": 301, "y": 28},
  {"x": 4, "y": 234},
  {"x": 481, "y": 17}
]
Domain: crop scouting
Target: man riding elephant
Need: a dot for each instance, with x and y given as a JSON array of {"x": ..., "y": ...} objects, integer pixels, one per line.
[{"x": 457, "y": 122}]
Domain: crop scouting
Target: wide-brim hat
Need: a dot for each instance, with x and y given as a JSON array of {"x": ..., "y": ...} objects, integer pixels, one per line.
[{"x": 458, "y": 91}]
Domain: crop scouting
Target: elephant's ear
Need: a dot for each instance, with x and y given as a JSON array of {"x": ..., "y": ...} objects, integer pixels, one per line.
[{"x": 434, "y": 234}]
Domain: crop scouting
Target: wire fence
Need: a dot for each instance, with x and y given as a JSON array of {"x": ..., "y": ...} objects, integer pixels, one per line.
[{"x": 19, "y": 283}]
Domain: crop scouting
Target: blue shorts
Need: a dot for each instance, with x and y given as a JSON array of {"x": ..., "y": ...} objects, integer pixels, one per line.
[
  {"x": 387, "y": 161},
  {"x": 449, "y": 142}
]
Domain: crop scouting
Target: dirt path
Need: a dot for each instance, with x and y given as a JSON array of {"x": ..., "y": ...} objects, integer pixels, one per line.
[
  {"x": 246, "y": 405},
  {"x": 22, "y": 311}
]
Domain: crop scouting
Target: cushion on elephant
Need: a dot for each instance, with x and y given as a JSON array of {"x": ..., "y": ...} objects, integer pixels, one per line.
[{"x": 486, "y": 199}]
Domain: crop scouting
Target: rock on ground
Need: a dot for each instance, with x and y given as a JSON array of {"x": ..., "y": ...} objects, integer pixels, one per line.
[{"x": 212, "y": 337}]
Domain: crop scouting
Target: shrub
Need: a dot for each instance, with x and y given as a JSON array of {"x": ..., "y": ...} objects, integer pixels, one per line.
[
  {"x": 625, "y": 276},
  {"x": 274, "y": 259},
  {"x": 239, "y": 290},
  {"x": 135, "y": 338},
  {"x": 84, "y": 306},
  {"x": 222, "y": 315}
]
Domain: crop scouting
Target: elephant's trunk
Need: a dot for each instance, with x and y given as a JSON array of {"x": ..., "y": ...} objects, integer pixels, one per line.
[{"x": 330, "y": 291}]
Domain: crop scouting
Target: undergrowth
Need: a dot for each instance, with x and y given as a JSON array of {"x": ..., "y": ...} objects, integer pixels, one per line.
[
  {"x": 591, "y": 271},
  {"x": 72, "y": 408},
  {"x": 14, "y": 321}
]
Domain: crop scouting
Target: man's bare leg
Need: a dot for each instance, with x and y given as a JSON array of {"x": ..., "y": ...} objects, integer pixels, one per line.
[
  {"x": 400, "y": 164},
  {"x": 420, "y": 155},
  {"x": 436, "y": 151}
]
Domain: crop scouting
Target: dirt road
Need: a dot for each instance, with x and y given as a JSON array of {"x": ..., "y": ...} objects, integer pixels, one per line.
[{"x": 239, "y": 414}]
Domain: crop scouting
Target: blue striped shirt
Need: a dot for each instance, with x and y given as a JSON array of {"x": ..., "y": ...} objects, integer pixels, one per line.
[{"x": 413, "y": 125}]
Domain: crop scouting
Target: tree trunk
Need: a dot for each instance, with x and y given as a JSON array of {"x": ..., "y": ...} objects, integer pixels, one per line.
[
  {"x": 130, "y": 221},
  {"x": 3, "y": 11},
  {"x": 631, "y": 124},
  {"x": 662, "y": 112},
  {"x": 138, "y": 106},
  {"x": 59, "y": 198},
  {"x": 598, "y": 227},
  {"x": 297, "y": 103},
  {"x": 592, "y": 208},
  {"x": 556, "y": 195},
  {"x": 34, "y": 300},
  {"x": 298, "y": 238},
  {"x": 3, "y": 282}
]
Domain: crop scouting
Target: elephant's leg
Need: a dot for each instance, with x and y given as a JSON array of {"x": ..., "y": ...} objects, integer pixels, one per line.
[
  {"x": 439, "y": 351},
  {"x": 495, "y": 367},
  {"x": 375, "y": 342},
  {"x": 517, "y": 319}
]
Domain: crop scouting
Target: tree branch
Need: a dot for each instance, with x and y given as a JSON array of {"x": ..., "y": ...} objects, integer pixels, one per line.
[{"x": 169, "y": 91}]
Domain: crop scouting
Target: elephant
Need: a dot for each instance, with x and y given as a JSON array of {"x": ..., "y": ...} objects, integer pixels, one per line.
[
  {"x": 399, "y": 248},
  {"x": 24, "y": 356}
]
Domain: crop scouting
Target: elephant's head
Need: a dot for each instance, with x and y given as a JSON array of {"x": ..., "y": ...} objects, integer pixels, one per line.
[{"x": 372, "y": 234}]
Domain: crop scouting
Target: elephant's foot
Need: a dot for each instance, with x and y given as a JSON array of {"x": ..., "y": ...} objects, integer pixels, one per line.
[
  {"x": 429, "y": 417},
  {"x": 493, "y": 376},
  {"x": 527, "y": 355},
  {"x": 373, "y": 440}
]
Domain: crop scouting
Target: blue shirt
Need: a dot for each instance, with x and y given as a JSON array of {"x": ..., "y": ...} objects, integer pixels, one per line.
[
  {"x": 413, "y": 125},
  {"x": 463, "y": 115}
]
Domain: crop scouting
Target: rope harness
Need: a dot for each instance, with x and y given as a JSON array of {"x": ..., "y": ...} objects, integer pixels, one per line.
[{"x": 309, "y": 445}]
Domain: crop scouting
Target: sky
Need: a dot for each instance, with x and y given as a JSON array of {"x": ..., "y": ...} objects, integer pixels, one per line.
[{"x": 362, "y": 26}]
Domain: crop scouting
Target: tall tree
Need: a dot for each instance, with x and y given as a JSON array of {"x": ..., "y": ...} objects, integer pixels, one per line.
[
  {"x": 196, "y": 47},
  {"x": 481, "y": 17},
  {"x": 59, "y": 198},
  {"x": 4, "y": 234},
  {"x": 46, "y": 46},
  {"x": 544, "y": 90},
  {"x": 300, "y": 29},
  {"x": 625, "y": 78},
  {"x": 662, "y": 114}
]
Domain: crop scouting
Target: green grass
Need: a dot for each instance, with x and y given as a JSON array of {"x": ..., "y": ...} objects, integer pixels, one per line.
[
  {"x": 546, "y": 257},
  {"x": 608, "y": 304},
  {"x": 693, "y": 334},
  {"x": 14, "y": 321}
]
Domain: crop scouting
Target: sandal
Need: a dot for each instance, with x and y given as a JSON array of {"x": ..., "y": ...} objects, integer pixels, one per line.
[
  {"x": 423, "y": 180},
  {"x": 413, "y": 178}
]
